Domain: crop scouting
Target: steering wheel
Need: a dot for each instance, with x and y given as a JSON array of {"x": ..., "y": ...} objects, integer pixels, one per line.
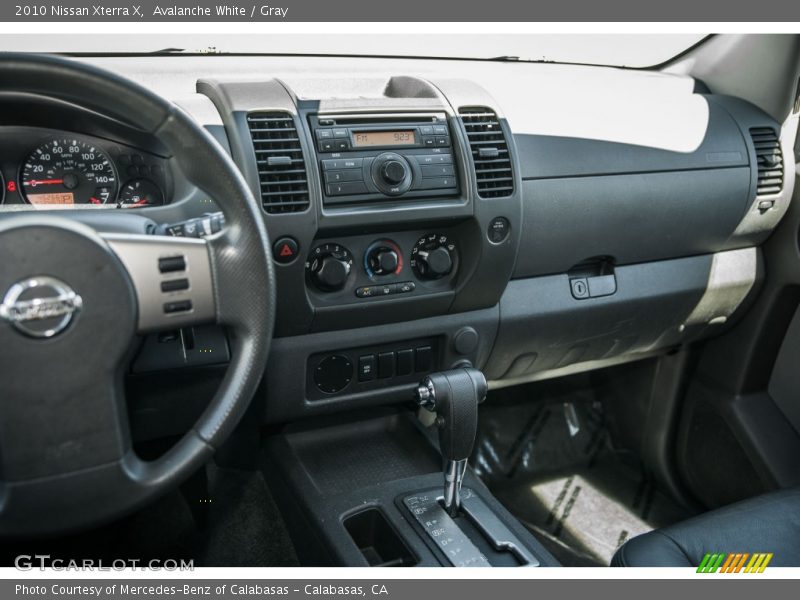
[{"x": 72, "y": 302}]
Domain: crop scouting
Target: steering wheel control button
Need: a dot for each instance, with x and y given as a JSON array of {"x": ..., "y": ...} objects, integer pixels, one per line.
[
  {"x": 179, "y": 306},
  {"x": 333, "y": 374},
  {"x": 40, "y": 307},
  {"x": 172, "y": 264},
  {"x": 285, "y": 250},
  {"x": 174, "y": 285},
  {"x": 498, "y": 230},
  {"x": 579, "y": 287},
  {"x": 366, "y": 368}
]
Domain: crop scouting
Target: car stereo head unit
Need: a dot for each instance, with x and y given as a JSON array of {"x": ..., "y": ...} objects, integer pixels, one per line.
[{"x": 377, "y": 157}]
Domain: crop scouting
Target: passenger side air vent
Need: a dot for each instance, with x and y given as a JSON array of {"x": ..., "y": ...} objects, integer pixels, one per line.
[
  {"x": 770, "y": 160},
  {"x": 489, "y": 152},
  {"x": 279, "y": 156}
]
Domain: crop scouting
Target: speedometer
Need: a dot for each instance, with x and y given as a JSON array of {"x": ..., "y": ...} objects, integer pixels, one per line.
[{"x": 66, "y": 172}]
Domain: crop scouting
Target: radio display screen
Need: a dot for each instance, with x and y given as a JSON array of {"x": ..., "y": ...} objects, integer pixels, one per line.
[{"x": 384, "y": 138}]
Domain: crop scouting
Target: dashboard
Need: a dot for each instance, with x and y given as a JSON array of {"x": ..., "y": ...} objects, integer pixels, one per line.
[
  {"x": 443, "y": 217},
  {"x": 54, "y": 169}
]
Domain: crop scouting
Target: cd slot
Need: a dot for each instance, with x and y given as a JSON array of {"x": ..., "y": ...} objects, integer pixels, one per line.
[{"x": 381, "y": 118}]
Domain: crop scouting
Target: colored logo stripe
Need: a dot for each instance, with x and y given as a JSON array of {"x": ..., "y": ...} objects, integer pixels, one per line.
[{"x": 734, "y": 562}]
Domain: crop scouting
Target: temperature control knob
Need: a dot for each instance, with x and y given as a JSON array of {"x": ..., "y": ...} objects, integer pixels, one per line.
[
  {"x": 433, "y": 256},
  {"x": 329, "y": 267},
  {"x": 383, "y": 257}
]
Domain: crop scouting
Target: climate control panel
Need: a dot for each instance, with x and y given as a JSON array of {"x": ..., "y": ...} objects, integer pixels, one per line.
[{"x": 362, "y": 268}]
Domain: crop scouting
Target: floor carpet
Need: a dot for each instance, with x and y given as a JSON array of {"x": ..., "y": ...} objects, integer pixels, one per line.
[{"x": 553, "y": 465}]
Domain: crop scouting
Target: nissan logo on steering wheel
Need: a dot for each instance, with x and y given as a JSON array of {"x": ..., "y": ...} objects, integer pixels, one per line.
[{"x": 40, "y": 307}]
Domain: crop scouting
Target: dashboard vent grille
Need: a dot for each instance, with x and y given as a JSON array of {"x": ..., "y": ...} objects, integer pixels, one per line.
[
  {"x": 279, "y": 157},
  {"x": 490, "y": 153},
  {"x": 769, "y": 158}
]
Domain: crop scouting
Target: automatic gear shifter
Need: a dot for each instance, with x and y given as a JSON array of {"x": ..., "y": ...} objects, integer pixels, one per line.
[{"x": 454, "y": 397}]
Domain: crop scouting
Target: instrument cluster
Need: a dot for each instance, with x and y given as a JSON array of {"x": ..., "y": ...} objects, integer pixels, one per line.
[{"x": 49, "y": 169}]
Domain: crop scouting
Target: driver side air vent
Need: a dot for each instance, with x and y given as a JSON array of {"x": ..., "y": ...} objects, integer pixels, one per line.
[
  {"x": 279, "y": 157},
  {"x": 769, "y": 158},
  {"x": 489, "y": 152}
]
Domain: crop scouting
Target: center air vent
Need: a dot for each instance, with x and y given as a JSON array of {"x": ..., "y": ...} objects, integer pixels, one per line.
[
  {"x": 489, "y": 152},
  {"x": 279, "y": 156},
  {"x": 769, "y": 158}
]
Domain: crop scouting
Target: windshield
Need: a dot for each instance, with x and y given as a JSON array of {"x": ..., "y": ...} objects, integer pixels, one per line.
[{"x": 637, "y": 51}]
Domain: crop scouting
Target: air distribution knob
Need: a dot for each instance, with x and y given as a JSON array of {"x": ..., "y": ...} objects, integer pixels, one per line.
[
  {"x": 434, "y": 263},
  {"x": 393, "y": 172},
  {"x": 330, "y": 273}
]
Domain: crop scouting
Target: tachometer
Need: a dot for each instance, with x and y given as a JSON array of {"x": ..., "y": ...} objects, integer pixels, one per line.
[{"x": 68, "y": 171}]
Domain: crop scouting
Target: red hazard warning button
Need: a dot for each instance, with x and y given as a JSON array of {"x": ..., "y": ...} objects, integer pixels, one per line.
[{"x": 284, "y": 250}]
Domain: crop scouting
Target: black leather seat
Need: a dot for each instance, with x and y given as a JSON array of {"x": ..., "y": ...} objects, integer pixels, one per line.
[{"x": 769, "y": 523}]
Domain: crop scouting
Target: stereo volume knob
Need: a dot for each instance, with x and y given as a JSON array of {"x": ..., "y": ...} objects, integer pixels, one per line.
[{"x": 393, "y": 172}]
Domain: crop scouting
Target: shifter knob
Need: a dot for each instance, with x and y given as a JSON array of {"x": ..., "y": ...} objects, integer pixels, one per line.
[{"x": 454, "y": 396}]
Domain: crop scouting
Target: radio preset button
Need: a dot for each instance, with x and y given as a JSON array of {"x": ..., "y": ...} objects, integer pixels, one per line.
[
  {"x": 346, "y": 188},
  {"x": 435, "y": 183},
  {"x": 438, "y": 171},
  {"x": 342, "y": 163},
  {"x": 347, "y": 175},
  {"x": 435, "y": 159}
]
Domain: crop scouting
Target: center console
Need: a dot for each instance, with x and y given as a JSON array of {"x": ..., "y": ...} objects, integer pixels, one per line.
[
  {"x": 372, "y": 492},
  {"x": 395, "y": 213}
]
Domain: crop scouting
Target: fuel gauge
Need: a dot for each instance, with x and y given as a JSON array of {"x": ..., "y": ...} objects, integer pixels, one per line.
[{"x": 140, "y": 192}]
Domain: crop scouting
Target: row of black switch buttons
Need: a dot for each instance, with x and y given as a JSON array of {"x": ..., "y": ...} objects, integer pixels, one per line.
[
  {"x": 390, "y": 364},
  {"x": 387, "y": 289},
  {"x": 440, "y": 141},
  {"x": 335, "y": 145}
]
